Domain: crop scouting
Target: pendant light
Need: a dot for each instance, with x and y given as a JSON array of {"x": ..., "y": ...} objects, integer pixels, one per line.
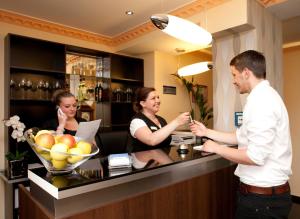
[
  {"x": 181, "y": 29},
  {"x": 195, "y": 68}
]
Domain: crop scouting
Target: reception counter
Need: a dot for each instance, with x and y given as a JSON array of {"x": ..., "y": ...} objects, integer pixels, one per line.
[{"x": 193, "y": 185}]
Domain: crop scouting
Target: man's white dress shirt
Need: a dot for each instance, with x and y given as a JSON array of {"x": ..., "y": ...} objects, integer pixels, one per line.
[{"x": 265, "y": 133}]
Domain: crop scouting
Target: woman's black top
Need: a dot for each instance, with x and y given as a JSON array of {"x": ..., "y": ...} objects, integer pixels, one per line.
[
  {"x": 140, "y": 146},
  {"x": 53, "y": 123}
]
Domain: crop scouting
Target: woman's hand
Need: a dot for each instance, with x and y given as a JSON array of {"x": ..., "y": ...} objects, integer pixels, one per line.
[
  {"x": 62, "y": 119},
  {"x": 183, "y": 118},
  {"x": 198, "y": 128}
]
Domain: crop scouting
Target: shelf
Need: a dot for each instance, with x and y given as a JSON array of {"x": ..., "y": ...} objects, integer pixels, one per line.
[
  {"x": 121, "y": 102},
  {"x": 31, "y": 100},
  {"x": 126, "y": 80},
  {"x": 88, "y": 77},
  {"x": 35, "y": 70}
]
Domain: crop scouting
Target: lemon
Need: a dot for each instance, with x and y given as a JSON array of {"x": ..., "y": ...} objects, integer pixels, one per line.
[
  {"x": 59, "y": 164},
  {"x": 58, "y": 151},
  {"x": 42, "y": 132},
  {"x": 73, "y": 158},
  {"x": 46, "y": 155},
  {"x": 86, "y": 147}
]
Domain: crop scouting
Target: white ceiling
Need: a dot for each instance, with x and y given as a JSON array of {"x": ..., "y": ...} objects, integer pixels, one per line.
[{"x": 107, "y": 17}]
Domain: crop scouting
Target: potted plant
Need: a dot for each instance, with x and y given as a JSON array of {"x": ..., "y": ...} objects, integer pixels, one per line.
[
  {"x": 17, "y": 163},
  {"x": 196, "y": 91}
]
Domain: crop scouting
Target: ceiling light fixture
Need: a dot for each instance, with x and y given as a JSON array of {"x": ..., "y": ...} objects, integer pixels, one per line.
[
  {"x": 194, "y": 69},
  {"x": 129, "y": 12},
  {"x": 181, "y": 29}
]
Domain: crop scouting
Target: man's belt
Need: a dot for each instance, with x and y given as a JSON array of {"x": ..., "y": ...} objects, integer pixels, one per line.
[{"x": 246, "y": 189}]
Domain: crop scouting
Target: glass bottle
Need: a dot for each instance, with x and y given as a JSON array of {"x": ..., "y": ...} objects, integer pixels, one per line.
[
  {"x": 97, "y": 92},
  {"x": 81, "y": 90},
  {"x": 100, "y": 92}
]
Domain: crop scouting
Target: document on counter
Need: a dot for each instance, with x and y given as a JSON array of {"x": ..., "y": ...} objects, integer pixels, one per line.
[{"x": 88, "y": 130}]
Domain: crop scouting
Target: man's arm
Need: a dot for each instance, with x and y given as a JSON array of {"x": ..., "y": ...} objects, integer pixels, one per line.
[
  {"x": 235, "y": 155},
  {"x": 200, "y": 130}
]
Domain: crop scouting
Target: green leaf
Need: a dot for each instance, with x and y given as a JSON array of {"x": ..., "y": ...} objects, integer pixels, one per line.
[
  {"x": 206, "y": 112},
  {"x": 17, "y": 156}
]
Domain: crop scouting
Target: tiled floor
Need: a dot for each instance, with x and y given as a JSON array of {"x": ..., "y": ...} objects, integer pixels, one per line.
[{"x": 295, "y": 212}]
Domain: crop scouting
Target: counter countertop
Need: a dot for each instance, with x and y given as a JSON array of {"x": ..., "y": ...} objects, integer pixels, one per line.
[{"x": 95, "y": 174}]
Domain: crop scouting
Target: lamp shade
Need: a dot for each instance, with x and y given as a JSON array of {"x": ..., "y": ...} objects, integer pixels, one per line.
[
  {"x": 194, "y": 69},
  {"x": 182, "y": 29}
]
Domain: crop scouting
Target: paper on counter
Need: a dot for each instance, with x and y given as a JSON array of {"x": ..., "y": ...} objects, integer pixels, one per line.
[
  {"x": 88, "y": 130},
  {"x": 119, "y": 160}
]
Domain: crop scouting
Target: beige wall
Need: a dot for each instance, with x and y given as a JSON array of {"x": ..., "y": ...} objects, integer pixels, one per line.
[
  {"x": 165, "y": 65},
  {"x": 291, "y": 91},
  {"x": 226, "y": 98}
]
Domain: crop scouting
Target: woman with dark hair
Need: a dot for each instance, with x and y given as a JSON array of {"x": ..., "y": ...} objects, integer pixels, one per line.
[
  {"x": 148, "y": 130},
  {"x": 66, "y": 121}
]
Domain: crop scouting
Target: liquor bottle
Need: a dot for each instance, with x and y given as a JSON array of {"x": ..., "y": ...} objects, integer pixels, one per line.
[
  {"x": 100, "y": 92},
  {"x": 97, "y": 92},
  {"x": 82, "y": 90}
]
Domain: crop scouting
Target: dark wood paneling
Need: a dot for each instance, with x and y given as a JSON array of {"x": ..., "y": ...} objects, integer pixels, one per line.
[{"x": 30, "y": 208}]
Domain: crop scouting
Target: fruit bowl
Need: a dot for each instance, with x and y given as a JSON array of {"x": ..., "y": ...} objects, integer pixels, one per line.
[{"x": 60, "y": 154}]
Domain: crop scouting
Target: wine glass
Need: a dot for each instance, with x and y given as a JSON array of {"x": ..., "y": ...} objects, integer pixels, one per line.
[
  {"x": 22, "y": 85},
  {"x": 12, "y": 83},
  {"x": 28, "y": 84},
  {"x": 47, "y": 89},
  {"x": 56, "y": 85},
  {"x": 27, "y": 88},
  {"x": 40, "y": 87}
]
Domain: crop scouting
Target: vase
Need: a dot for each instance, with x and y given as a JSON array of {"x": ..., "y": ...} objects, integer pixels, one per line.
[{"x": 17, "y": 168}]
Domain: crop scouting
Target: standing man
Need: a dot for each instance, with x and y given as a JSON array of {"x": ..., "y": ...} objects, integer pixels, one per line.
[{"x": 264, "y": 152}]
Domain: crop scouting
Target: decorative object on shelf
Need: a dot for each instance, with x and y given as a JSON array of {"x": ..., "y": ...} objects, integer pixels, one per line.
[
  {"x": 197, "y": 92},
  {"x": 17, "y": 164},
  {"x": 182, "y": 29},
  {"x": 196, "y": 68}
]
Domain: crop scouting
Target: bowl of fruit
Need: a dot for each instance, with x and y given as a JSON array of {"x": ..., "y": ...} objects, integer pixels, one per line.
[{"x": 59, "y": 154}]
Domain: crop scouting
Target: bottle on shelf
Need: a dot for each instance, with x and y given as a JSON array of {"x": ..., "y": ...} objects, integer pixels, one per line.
[
  {"x": 99, "y": 92},
  {"x": 96, "y": 92},
  {"x": 81, "y": 90}
]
